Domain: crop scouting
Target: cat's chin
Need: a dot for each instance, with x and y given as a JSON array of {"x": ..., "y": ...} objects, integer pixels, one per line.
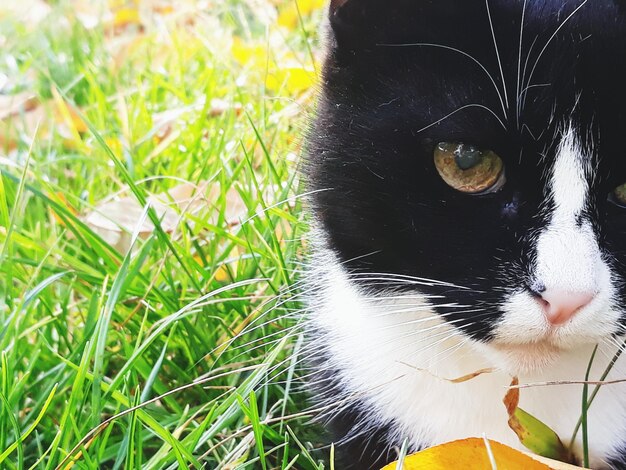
[{"x": 526, "y": 358}]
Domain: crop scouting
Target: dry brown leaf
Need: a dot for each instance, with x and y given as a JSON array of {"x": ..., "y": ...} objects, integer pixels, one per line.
[
  {"x": 19, "y": 126},
  {"x": 533, "y": 433},
  {"x": 234, "y": 207},
  {"x": 164, "y": 122},
  {"x": 116, "y": 220},
  {"x": 219, "y": 107},
  {"x": 10, "y": 105},
  {"x": 19, "y": 116},
  {"x": 458, "y": 380}
]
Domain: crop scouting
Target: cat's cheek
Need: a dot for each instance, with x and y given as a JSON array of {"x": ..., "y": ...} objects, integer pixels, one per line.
[{"x": 522, "y": 320}]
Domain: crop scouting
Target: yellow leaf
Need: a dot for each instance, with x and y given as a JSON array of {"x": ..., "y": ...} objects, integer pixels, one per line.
[
  {"x": 126, "y": 16},
  {"x": 294, "y": 80},
  {"x": 60, "y": 197},
  {"x": 288, "y": 18},
  {"x": 308, "y": 6},
  {"x": 221, "y": 274},
  {"x": 68, "y": 115},
  {"x": 248, "y": 54},
  {"x": 163, "y": 9},
  {"x": 474, "y": 453},
  {"x": 114, "y": 145}
]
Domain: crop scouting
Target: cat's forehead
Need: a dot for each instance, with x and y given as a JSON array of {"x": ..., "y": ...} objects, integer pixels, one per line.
[
  {"x": 375, "y": 20},
  {"x": 523, "y": 36},
  {"x": 478, "y": 68}
]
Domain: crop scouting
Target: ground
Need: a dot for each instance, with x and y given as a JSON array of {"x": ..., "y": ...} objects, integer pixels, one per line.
[{"x": 151, "y": 233}]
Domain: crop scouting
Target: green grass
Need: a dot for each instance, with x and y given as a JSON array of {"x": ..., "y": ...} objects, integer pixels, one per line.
[{"x": 182, "y": 351}]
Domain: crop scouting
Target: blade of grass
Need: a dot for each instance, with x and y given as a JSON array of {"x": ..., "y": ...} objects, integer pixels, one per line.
[
  {"x": 585, "y": 407},
  {"x": 32, "y": 427},
  {"x": 596, "y": 389}
]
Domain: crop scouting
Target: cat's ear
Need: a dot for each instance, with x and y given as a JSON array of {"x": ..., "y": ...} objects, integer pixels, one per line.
[
  {"x": 349, "y": 19},
  {"x": 334, "y": 4},
  {"x": 359, "y": 23},
  {"x": 342, "y": 21}
]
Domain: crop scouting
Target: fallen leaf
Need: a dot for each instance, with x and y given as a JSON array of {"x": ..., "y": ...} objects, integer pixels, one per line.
[
  {"x": 20, "y": 114},
  {"x": 125, "y": 17},
  {"x": 248, "y": 54},
  {"x": 22, "y": 126},
  {"x": 532, "y": 433},
  {"x": 217, "y": 107},
  {"x": 474, "y": 453},
  {"x": 116, "y": 220},
  {"x": 68, "y": 115},
  {"x": 294, "y": 79},
  {"x": 221, "y": 274},
  {"x": 10, "y": 105},
  {"x": 163, "y": 9},
  {"x": 288, "y": 17},
  {"x": 234, "y": 207},
  {"x": 61, "y": 199}
]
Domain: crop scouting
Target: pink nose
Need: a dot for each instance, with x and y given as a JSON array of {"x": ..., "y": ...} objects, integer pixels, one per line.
[{"x": 561, "y": 305}]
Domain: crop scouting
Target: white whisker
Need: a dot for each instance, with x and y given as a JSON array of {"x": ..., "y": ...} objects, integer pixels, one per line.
[
  {"x": 495, "y": 44},
  {"x": 469, "y": 56},
  {"x": 563, "y": 23}
]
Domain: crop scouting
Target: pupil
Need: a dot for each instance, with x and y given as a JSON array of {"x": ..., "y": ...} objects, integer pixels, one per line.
[{"x": 467, "y": 156}]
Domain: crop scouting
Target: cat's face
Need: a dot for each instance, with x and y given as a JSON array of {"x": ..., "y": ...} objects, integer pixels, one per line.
[{"x": 480, "y": 144}]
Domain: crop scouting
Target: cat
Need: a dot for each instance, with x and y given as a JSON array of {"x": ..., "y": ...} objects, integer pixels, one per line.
[{"x": 466, "y": 174}]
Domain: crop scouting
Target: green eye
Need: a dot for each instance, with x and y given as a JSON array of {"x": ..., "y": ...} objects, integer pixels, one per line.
[
  {"x": 619, "y": 195},
  {"x": 469, "y": 169}
]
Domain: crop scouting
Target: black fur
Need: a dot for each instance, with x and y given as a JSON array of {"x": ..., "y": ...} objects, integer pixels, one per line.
[
  {"x": 355, "y": 452},
  {"x": 403, "y": 75},
  {"x": 383, "y": 109}
]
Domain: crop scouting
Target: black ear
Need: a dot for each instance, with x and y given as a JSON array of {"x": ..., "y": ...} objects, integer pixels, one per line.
[
  {"x": 334, "y": 4},
  {"x": 350, "y": 19},
  {"x": 359, "y": 24}
]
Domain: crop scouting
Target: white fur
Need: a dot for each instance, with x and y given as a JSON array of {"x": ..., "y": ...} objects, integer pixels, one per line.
[
  {"x": 568, "y": 258},
  {"x": 388, "y": 352},
  {"x": 392, "y": 352}
]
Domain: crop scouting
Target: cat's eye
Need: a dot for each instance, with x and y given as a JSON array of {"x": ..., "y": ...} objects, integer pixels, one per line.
[
  {"x": 618, "y": 196},
  {"x": 469, "y": 169}
]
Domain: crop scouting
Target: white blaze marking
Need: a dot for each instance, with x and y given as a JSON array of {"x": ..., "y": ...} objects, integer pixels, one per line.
[
  {"x": 568, "y": 256},
  {"x": 569, "y": 180}
]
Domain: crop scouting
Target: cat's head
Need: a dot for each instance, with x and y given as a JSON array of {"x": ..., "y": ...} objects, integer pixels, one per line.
[{"x": 481, "y": 145}]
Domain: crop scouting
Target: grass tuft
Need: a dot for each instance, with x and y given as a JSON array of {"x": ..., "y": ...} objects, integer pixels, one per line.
[{"x": 174, "y": 345}]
